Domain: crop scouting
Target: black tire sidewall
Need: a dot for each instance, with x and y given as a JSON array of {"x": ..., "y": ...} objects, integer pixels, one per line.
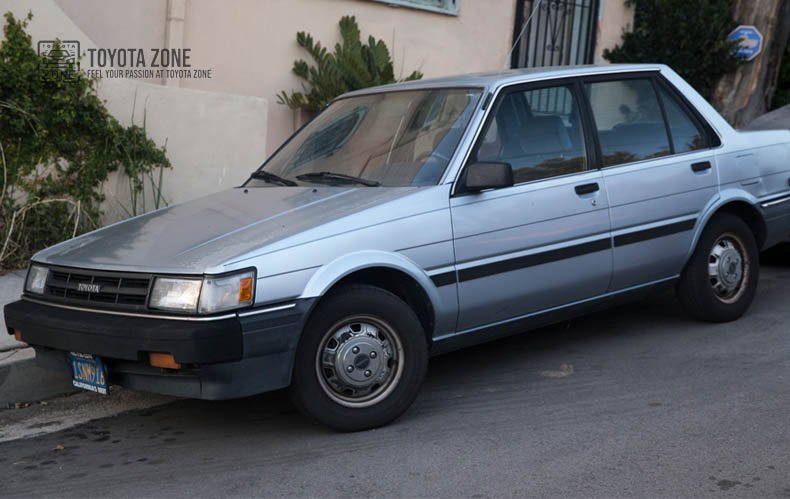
[
  {"x": 306, "y": 391},
  {"x": 701, "y": 300}
]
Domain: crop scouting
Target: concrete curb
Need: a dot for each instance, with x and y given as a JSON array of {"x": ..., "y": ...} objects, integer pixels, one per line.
[{"x": 21, "y": 380}]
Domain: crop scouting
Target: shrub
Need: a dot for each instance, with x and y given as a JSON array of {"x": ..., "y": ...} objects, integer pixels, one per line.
[
  {"x": 351, "y": 66},
  {"x": 690, "y": 37},
  {"x": 58, "y": 144}
]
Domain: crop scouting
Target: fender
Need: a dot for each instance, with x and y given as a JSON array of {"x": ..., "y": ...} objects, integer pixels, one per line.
[
  {"x": 724, "y": 197},
  {"x": 329, "y": 274}
]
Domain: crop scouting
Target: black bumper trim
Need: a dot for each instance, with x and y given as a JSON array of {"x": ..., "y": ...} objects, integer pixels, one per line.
[
  {"x": 225, "y": 380},
  {"x": 222, "y": 359},
  {"x": 122, "y": 337}
]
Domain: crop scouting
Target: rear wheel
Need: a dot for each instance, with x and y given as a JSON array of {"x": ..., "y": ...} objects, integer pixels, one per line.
[
  {"x": 720, "y": 280},
  {"x": 361, "y": 359}
]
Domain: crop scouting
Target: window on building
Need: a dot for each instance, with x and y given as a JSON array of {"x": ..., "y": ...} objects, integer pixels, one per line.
[
  {"x": 538, "y": 132},
  {"x": 629, "y": 120},
  {"x": 451, "y": 7},
  {"x": 554, "y": 32}
]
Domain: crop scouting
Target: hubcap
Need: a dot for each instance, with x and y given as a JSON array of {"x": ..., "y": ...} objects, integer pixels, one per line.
[
  {"x": 359, "y": 361},
  {"x": 728, "y": 268}
]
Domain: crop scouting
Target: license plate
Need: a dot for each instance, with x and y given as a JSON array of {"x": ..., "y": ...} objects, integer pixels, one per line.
[{"x": 88, "y": 372}]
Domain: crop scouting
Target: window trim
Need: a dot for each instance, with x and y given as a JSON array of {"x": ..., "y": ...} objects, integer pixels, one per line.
[
  {"x": 590, "y": 149},
  {"x": 448, "y": 8},
  {"x": 712, "y": 138},
  {"x": 665, "y": 117}
]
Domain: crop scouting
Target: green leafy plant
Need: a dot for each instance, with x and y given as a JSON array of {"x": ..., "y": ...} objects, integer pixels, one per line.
[
  {"x": 142, "y": 164},
  {"x": 58, "y": 144},
  {"x": 352, "y": 65},
  {"x": 690, "y": 37}
]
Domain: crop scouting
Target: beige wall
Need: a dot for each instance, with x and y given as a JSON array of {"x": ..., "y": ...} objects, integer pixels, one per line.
[
  {"x": 250, "y": 44},
  {"x": 113, "y": 23},
  {"x": 614, "y": 17}
]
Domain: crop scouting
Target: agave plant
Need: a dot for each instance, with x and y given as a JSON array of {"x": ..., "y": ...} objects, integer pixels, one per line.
[{"x": 352, "y": 65}]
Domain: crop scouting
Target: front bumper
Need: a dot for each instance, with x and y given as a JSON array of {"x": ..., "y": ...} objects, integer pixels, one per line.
[{"x": 233, "y": 356}]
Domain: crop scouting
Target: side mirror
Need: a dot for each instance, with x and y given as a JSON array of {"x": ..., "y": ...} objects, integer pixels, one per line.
[{"x": 481, "y": 176}]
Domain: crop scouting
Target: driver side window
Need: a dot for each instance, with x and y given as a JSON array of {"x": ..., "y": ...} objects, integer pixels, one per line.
[{"x": 538, "y": 132}]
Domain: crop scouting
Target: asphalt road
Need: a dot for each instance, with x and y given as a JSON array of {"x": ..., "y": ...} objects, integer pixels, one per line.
[{"x": 636, "y": 401}]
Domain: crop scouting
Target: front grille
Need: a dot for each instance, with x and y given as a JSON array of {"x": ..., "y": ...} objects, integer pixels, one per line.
[{"x": 101, "y": 289}]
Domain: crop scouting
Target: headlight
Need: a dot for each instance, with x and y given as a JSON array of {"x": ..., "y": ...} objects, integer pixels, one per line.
[
  {"x": 36, "y": 279},
  {"x": 180, "y": 295},
  {"x": 227, "y": 292}
]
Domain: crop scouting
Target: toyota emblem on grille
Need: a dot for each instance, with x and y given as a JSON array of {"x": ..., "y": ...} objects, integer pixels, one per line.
[{"x": 85, "y": 287}]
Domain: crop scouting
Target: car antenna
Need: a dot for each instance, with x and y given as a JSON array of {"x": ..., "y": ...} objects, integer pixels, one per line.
[{"x": 518, "y": 38}]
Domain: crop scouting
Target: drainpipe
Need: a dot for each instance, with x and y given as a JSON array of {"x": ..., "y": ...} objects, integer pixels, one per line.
[{"x": 174, "y": 33}]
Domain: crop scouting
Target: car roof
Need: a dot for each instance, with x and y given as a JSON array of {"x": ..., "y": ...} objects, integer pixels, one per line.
[{"x": 494, "y": 79}]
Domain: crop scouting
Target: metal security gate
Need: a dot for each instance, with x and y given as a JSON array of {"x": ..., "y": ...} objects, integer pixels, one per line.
[{"x": 560, "y": 33}]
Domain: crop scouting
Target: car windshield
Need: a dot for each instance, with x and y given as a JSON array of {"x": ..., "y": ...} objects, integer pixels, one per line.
[{"x": 391, "y": 139}]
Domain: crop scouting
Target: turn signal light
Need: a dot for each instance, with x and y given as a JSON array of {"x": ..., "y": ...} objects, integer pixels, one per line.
[
  {"x": 17, "y": 335},
  {"x": 245, "y": 290},
  {"x": 164, "y": 360}
]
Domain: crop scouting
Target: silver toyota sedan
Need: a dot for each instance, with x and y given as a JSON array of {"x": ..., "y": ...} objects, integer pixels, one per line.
[{"x": 412, "y": 219}]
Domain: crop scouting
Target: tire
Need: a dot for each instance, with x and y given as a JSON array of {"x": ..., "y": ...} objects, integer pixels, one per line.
[
  {"x": 720, "y": 280},
  {"x": 377, "y": 339}
]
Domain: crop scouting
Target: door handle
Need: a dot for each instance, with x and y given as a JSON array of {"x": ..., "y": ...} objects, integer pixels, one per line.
[
  {"x": 587, "y": 188},
  {"x": 701, "y": 166}
]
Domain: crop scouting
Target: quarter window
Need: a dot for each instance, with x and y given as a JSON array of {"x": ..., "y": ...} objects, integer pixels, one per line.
[
  {"x": 629, "y": 120},
  {"x": 686, "y": 135},
  {"x": 538, "y": 132}
]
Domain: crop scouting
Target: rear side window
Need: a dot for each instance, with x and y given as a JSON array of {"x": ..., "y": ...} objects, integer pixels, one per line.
[
  {"x": 538, "y": 132},
  {"x": 629, "y": 120},
  {"x": 686, "y": 134}
]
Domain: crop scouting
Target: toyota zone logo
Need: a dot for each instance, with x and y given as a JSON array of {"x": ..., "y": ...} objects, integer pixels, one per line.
[{"x": 60, "y": 59}]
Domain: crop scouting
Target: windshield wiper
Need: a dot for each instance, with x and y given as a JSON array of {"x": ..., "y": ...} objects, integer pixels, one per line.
[
  {"x": 337, "y": 176},
  {"x": 272, "y": 178}
]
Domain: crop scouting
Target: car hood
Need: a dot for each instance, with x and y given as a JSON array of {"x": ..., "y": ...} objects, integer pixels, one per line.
[{"x": 200, "y": 235}]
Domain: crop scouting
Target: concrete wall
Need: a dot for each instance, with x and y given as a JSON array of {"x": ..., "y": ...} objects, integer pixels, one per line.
[{"x": 213, "y": 139}]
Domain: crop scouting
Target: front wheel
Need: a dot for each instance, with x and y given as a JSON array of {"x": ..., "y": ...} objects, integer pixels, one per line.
[
  {"x": 720, "y": 280},
  {"x": 361, "y": 359}
]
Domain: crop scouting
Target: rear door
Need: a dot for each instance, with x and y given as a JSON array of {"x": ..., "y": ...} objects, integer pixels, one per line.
[
  {"x": 544, "y": 242},
  {"x": 659, "y": 169}
]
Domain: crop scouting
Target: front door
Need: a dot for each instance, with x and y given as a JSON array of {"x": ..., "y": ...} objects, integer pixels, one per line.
[{"x": 545, "y": 242}]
